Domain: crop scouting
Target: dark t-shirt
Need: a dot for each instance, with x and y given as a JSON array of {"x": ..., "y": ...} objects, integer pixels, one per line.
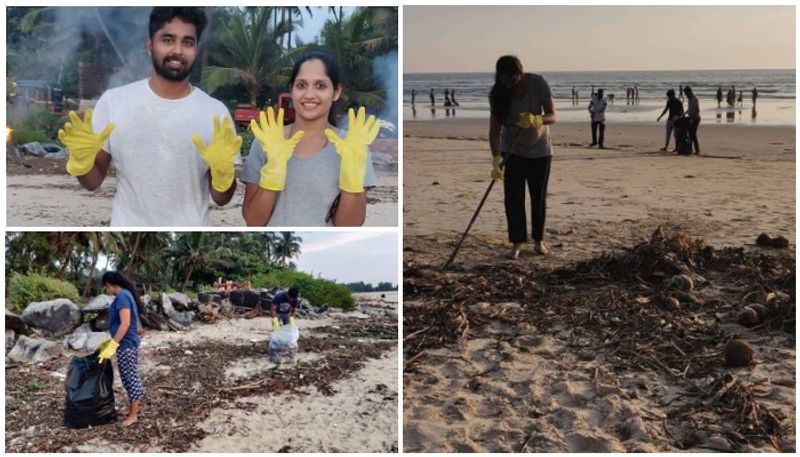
[
  {"x": 284, "y": 303},
  {"x": 124, "y": 300},
  {"x": 675, "y": 107}
]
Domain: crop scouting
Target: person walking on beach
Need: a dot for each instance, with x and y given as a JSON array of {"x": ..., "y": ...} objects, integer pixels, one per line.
[
  {"x": 755, "y": 96},
  {"x": 693, "y": 113},
  {"x": 597, "y": 110},
  {"x": 719, "y": 97},
  {"x": 680, "y": 91},
  {"x": 453, "y": 97},
  {"x": 636, "y": 93},
  {"x": 740, "y": 100},
  {"x": 522, "y": 108},
  {"x": 413, "y": 96},
  {"x": 447, "y": 98},
  {"x": 433, "y": 99},
  {"x": 573, "y": 95},
  {"x": 171, "y": 144},
  {"x": 675, "y": 109},
  {"x": 124, "y": 326}
]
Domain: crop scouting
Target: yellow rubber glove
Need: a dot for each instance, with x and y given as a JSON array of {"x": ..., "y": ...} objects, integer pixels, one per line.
[
  {"x": 276, "y": 325},
  {"x": 220, "y": 153},
  {"x": 528, "y": 120},
  {"x": 276, "y": 147},
  {"x": 82, "y": 143},
  {"x": 107, "y": 350},
  {"x": 497, "y": 172},
  {"x": 352, "y": 149},
  {"x": 291, "y": 320}
]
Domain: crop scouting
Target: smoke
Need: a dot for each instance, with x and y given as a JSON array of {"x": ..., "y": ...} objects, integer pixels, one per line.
[{"x": 384, "y": 69}]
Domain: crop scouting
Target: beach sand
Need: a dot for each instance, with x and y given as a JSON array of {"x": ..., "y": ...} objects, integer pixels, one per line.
[
  {"x": 40, "y": 194},
  {"x": 289, "y": 410},
  {"x": 511, "y": 383}
]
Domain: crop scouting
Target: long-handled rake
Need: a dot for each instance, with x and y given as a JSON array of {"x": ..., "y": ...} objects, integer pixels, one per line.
[{"x": 480, "y": 205}]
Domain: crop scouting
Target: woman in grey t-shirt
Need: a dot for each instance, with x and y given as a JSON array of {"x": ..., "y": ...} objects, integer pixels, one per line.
[
  {"x": 521, "y": 109},
  {"x": 304, "y": 174}
]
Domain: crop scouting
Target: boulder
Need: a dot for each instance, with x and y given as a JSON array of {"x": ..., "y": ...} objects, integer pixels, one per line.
[
  {"x": 179, "y": 301},
  {"x": 100, "y": 323},
  {"x": 226, "y": 308},
  {"x": 31, "y": 350},
  {"x": 83, "y": 338},
  {"x": 54, "y": 317},
  {"x": 184, "y": 317},
  {"x": 166, "y": 305},
  {"x": 98, "y": 304},
  {"x": 15, "y": 323},
  {"x": 10, "y": 339}
]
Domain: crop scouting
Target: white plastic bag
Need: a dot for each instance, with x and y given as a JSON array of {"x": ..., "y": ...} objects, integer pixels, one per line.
[{"x": 283, "y": 344}]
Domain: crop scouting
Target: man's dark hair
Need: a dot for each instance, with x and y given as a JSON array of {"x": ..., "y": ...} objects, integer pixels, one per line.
[
  {"x": 189, "y": 14},
  {"x": 293, "y": 292},
  {"x": 671, "y": 93}
]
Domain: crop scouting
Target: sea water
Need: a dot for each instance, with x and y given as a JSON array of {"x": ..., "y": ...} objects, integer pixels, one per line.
[{"x": 775, "y": 104}]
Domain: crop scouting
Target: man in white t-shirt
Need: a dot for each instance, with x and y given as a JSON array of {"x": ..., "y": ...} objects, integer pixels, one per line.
[
  {"x": 163, "y": 136},
  {"x": 597, "y": 109}
]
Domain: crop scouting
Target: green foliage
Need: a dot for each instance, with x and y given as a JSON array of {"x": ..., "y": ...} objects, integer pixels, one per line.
[
  {"x": 247, "y": 141},
  {"x": 317, "y": 291},
  {"x": 35, "y": 287},
  {"x": 38, "y": 125},
  {"x": 368, "y": 287}
]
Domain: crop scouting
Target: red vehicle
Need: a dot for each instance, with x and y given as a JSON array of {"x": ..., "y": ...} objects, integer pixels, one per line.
[
  {"x": 39, "y": 93},
  {"x": 245, "y": 112}
]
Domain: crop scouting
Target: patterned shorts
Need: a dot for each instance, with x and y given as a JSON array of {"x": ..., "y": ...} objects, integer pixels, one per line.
[{"x": 128, "y": 364}]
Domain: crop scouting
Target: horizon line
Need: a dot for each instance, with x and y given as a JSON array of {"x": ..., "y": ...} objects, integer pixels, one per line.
[{"x": 604, "y": 71}]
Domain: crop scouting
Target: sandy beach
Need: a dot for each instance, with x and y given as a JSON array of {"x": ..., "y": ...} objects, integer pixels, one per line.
[
  {"x": 41, "y": 194},
  {"x": 574, "y": 352},
  {"x": 339, "y": 395}
]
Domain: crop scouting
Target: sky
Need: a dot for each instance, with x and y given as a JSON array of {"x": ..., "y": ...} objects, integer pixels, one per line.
[
  {"x": 312, "y": 25},
  {"x": 598, "y": 38},
  {"x": 346, "y": 257}
]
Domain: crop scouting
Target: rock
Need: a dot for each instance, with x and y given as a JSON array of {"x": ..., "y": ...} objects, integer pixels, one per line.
[
  {"x": 15, "y": 323},
  {"x": 100, "y": 323},
  {"x": 166, "y": 305},
  {"x": 748, "y": 317},
  {"x": 98, "y": 304},
  {"x": 34, "y": 148},
  {"x": 31, "y": 350},
  {"x": 205, "y": 297},
  {"x": 766, "y": 241},
  {"x": 179, "y": 301},
  {"x": 738, "y": 353},
  {"x": 184, "y": 317},
  {"x": 11, "y": 337},
  {"x": 226, "y": 308},
  {"x": 55, "y": 317},
  {"x": 83, "y": 338}
]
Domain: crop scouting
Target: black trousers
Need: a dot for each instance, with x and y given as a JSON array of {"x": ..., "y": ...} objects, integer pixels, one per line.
[
  {"x": 535, "y": 172},
  {"x": 594, "y": 132},
  {"x": 693, "y": 125}
]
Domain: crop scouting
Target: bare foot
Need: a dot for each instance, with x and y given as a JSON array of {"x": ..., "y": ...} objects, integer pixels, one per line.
[
  {"x": 130, "y": 420},
  {"x": 514, "y": 253},
  {"x": 540, "y": 248}
]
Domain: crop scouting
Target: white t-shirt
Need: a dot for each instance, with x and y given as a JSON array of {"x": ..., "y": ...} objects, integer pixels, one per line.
[{"x": 161, "y": 178}]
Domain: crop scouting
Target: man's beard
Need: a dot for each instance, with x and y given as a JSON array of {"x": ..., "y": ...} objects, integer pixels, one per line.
[{"x": 169, "y": 74}]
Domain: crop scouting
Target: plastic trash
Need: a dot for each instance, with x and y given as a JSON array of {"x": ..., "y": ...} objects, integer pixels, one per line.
[
  {"x": 89, "y": 393},
  {"x": 283, "y": 344}
]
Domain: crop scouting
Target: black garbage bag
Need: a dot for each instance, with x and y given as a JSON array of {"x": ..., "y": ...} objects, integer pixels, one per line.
[{"x": 90, "y": 393}]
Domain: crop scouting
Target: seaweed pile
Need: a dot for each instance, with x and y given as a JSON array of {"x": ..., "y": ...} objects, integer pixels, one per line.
[{"x": 669, "y": 304}]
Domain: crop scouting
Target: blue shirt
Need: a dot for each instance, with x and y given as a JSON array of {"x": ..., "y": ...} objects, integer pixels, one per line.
[
  {"x": 283, "y": 303},
  {"x": 124, "y": 300}
]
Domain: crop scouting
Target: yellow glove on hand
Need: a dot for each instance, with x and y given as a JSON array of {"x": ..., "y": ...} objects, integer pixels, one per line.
[
  {"x": 82, "y": 143},
  {"x": 277, "y": 148},
  {"x": 352, "y": 149},
  {"x": 291, "y": 320},
  {"x": 497, "y": 172},
  {"x": 107, "y": 350},
  {"x": 275, "y": 324},
  {"x": 220, "y": 153},
  {"x": 528, "y": 120}
]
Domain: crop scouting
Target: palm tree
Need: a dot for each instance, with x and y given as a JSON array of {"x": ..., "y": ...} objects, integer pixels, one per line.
[
  {"x": 248, "y": 52},
  {"x": 287, "y": 246},
  {"x": 291, "y": 13},
  {"x": 194, "y": 249}
]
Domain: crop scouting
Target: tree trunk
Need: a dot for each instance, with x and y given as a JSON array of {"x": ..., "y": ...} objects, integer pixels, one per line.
[
  {"x": 188, "y": 275},
  {"x": 90, "y": 280}
]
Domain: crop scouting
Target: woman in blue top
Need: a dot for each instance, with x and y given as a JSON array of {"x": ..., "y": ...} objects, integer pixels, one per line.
[{"x": 123, "y": 324}]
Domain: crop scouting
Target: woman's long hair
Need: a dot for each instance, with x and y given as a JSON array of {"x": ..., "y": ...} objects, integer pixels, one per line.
[
  {"x": 116, "y": 278},
  {"x": 331, "y": 69},
  {"x": 500, "y": 95}
]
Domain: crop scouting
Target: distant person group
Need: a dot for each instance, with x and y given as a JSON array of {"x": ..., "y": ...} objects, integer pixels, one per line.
[
  {"x": 732, "y": 99},
  {"x": 449, "y": 97},
  {"x": 632, "y": 95}
]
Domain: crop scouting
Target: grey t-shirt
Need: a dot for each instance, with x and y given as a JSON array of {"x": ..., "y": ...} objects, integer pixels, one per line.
[
  {"x": 531, "y": 143},
  {"x": 312, "y": 185}
]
